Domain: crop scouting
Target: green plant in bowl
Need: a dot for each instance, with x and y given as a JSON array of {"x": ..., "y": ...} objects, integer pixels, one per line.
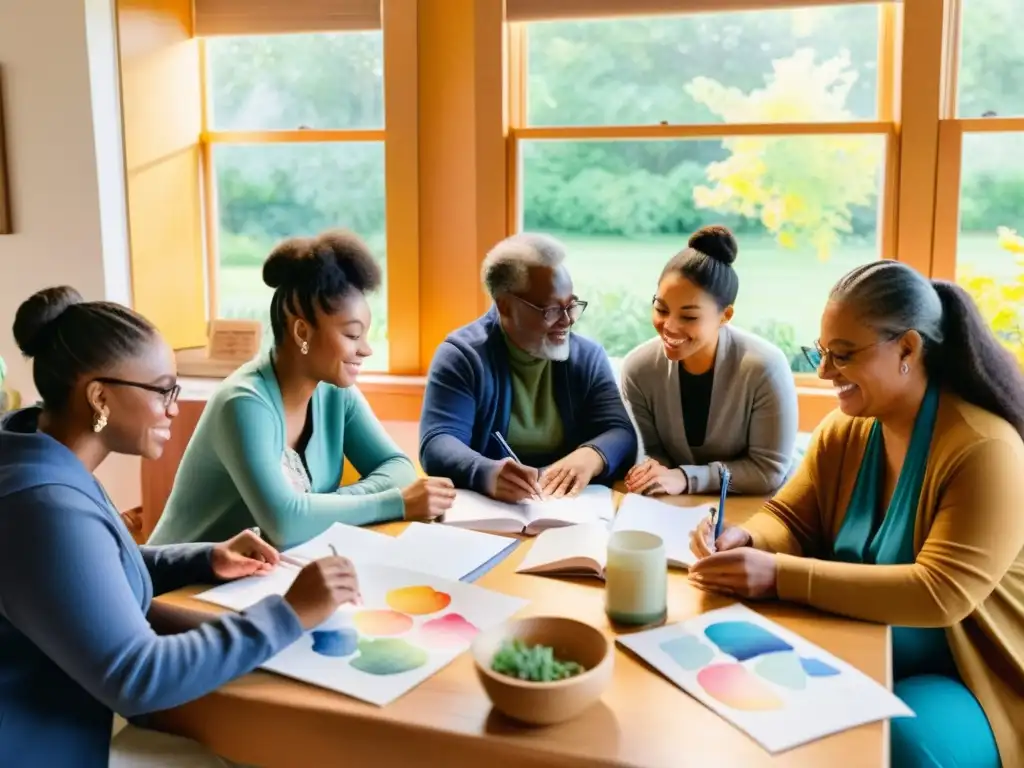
[{"x": 534, "y": 663}]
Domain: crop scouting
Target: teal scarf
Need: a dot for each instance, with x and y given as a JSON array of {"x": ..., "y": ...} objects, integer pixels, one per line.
[{"x": 872, "y": 536}]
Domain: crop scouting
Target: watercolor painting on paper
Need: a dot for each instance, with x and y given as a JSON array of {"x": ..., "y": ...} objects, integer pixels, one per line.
[
  {"x": 409, "y": 627},
  {"x": 777, "y": 687}
]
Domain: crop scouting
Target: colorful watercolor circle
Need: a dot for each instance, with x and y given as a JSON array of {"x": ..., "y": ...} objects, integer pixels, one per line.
[
  {"x": 382, "y": 623},
  {"x": 744, "y": 640},
  {"x": 688, "y": 651},
  {"x": 335, "y": 642},
  {"x": 449, "y": 631},
  {"x": 418, "y": 601},
  {"x": 783, "y": 668},
  {"x": 734, "y": 686},
  {"x": 388, "y": 656}
]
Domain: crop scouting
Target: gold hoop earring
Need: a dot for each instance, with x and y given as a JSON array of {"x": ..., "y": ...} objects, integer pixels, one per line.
[
  {"x": 99, "y": 422},
  {"x": 304, "y": 349}
]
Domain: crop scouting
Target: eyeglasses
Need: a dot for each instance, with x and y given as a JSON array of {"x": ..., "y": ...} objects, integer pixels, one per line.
[
  {"x": 170, "y": 394},
  {"x": 552, "y": 315},
  {"x": 817, "y": 354}
]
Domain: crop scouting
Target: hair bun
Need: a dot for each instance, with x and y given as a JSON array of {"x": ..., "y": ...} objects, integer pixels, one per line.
[
  {"x": 716, "y": 242},
  {"x": 288, "y": 263},
  {"x": 37, "y": 314}
]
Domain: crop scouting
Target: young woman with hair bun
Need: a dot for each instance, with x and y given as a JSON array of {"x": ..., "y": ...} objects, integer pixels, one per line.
[
  {"x": 704, "y": 394},
  {"x": 270, "y": 446},
  {"x": 81, "y": 636}
]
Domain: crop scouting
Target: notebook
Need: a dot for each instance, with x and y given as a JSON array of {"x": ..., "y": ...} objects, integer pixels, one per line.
[
  {"x": 581, "y": 550},
  {"x": 473, "y": 510}
]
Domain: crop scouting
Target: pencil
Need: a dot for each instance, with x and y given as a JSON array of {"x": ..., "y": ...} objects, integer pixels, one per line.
[{"x": 512, "y": 455}]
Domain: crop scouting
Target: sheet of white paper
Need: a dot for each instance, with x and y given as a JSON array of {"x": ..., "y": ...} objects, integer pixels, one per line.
[
  {"x": 471, "y": 508},
  {"x": 673, "y": 524},
  {"x": 769, "y": 682},
  {"x": 593, "y": 504},
  {"x": 572, "y": 541},
  {"x": 448, "y": 552},
  {"x": 409, "y": 627},
  {"x": 348, "y": 541},
  {"x": 356, "y": 543},
  {"x": 239, "y": 595}
]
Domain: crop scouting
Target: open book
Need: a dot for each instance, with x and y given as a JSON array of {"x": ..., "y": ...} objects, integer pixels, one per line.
[
  {"x": 473, "y": 510},
  {"x": 582, "y": 550}
]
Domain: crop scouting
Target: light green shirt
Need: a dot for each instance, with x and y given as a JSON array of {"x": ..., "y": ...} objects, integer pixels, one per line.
[
  {"x": 237, "y": 472},
  {"x": 534, "y": 424}
]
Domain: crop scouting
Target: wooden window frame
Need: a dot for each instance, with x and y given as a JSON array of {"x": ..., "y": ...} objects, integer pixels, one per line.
[
  {"x": 949, "y": 165},
  {"x": 885, "y": 124},
  {"x": 918, "y": 42},
  {"x": 399, "y": 139}
]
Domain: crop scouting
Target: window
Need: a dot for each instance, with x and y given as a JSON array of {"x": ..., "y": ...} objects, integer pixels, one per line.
[
  {"x": 991, "y": 60},
  {"x": 296, "y": 146},
  {"x": 986, "y": 144},
  {"x": 634, "y": 132}
]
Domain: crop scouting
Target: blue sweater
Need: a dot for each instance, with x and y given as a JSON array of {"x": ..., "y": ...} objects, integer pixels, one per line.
[
  {"x": 75, "y": 590},
  {"x": 231, "y": 478},
  {"x": 469, "y": 396}
]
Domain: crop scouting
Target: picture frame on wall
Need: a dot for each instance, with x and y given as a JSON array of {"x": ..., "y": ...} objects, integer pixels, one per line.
[{"x": 6, "y": 225}]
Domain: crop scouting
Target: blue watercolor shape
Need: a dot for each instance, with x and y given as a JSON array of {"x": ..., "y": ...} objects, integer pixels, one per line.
[
  {"x": 818, "y": 668},
  {"x": 743, "y": 640},
  {"x": 335, "y": 642},
  {"x": 688, "y": 652}
]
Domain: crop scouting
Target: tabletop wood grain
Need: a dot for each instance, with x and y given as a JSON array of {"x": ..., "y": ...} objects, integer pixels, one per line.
[{"x": 643, "y": 720}]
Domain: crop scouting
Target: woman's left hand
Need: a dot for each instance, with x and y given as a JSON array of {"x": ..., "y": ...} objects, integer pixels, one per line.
[
  {"x": 744, "y": 572},
  {"x": 243, "y": 555},
  {"x": 652, "y": 477}
]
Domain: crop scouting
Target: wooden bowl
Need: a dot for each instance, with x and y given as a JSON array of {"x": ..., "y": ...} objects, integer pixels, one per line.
[{"x": 546, "y": 703}]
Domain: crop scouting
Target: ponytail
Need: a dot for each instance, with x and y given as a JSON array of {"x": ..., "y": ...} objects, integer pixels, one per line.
[
  {"x": 970, "y": 361},
  {"x": 961, "y": 352}
]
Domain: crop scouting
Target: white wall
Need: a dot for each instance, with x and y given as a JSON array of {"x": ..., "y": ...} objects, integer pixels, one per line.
[{"x": 62, "y": 114}]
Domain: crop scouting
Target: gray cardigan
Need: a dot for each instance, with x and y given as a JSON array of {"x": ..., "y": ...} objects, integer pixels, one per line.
[{"x": 752, "y": 419}]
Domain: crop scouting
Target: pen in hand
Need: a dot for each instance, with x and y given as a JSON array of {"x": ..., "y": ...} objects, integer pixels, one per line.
[
  {"x": 537, "y": 494},
  {"x": 334, "y": 551}
]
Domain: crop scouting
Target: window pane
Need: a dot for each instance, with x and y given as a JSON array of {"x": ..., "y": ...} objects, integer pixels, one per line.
[
  {"x": 268, "y": 192},
  {"x": 804, "y": 210},
  {"x": 991, "y": 60},
  {"x": 286, "y": 82},
  {"x": 990, "y": 264},
  {"x": 802, "y": 65}
]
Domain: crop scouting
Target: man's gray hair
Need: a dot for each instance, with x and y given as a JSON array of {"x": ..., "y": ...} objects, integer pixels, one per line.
[{"x": 506, "y": 267}]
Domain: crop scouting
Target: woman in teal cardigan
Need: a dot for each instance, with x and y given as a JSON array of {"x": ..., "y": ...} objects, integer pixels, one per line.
[{"x": 270, "y": 446}]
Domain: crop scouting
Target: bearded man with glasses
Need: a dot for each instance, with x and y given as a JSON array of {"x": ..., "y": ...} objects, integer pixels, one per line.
[{"x": 516, "y": 405}]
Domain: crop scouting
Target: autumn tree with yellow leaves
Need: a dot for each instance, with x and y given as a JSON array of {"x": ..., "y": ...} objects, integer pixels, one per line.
[
  {"x": 803, "y": 189},
  {"x": 1001, "y": 301}
]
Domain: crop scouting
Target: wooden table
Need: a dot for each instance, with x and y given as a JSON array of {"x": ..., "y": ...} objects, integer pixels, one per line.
[{"x": 643, "y": 720}]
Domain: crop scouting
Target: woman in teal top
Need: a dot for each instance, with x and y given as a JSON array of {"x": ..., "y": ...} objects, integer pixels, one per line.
[{"x": 269, "y": 449}]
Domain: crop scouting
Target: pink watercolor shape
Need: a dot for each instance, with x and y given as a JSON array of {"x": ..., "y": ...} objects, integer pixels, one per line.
[{"x": 449, "y": 631}]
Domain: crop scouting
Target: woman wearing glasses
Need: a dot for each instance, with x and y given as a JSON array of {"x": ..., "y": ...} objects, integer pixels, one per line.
[
  {"x": 80, "y": 635},
  {"x": 704, "y": 394},
  {"x": 517, "y": 405},
  {"x": 907, "y": 511},
  {"x": 271, "y": 444}
]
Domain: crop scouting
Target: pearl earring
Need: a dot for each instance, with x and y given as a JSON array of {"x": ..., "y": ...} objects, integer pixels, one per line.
[
  {"x": 904, "y": 369},
  {"x": 304, "y": 349},
  {"x": 99, "y": 422}
]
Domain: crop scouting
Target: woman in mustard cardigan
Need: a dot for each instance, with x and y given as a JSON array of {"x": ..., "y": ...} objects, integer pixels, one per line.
[{"x": 908, "y": 510}]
